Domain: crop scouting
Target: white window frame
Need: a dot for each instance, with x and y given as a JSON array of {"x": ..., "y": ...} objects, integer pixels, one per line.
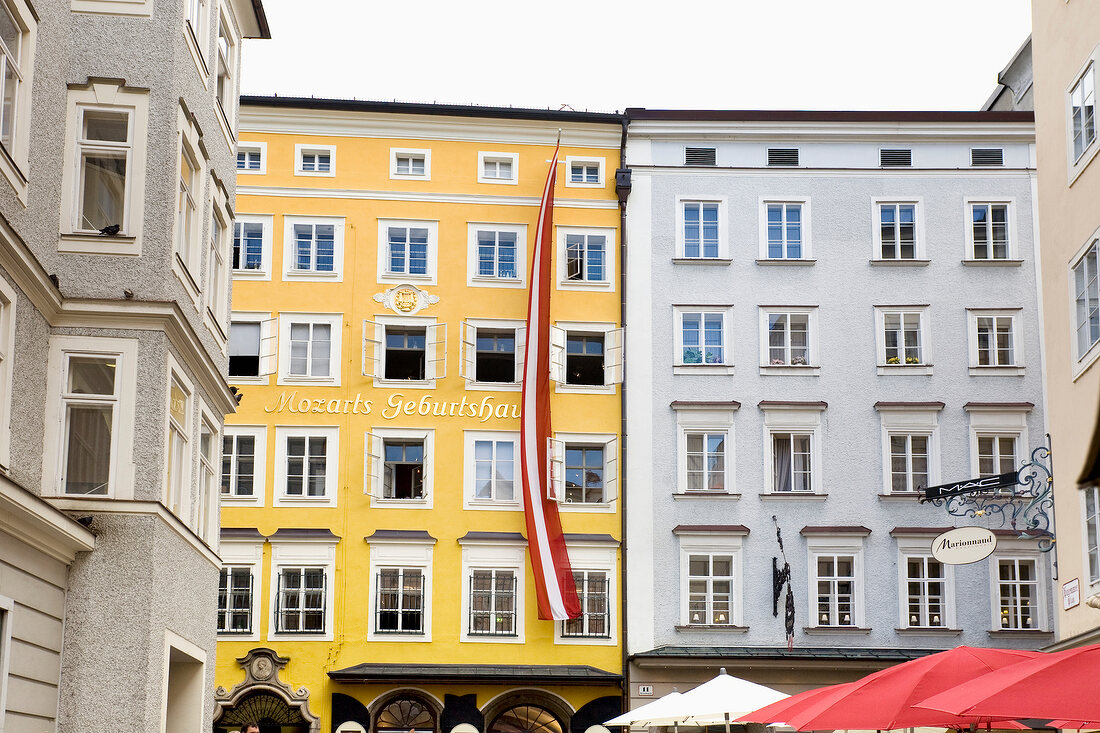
[
  {"x": 610, "y": 235},
  {"x": 1082, "y": 360},
  {"x": 110, "y": 97},
  {"x": 469, "y": 479},
  {"x": 1013, "y": 549},
  {"x": 915, "y": 419},
  {"x": 1090, "y": 567},
  {"x": 238, "y": 553},
  {"x": 331, "y": 434},
  {"x": 290, "y": 252},
  {"x": 435, "y": 352},
  {"x": 705, "y": 419},
  {"x": 1075, "y": 163},
  {"x": 477, "y": 280},
  {"x": 113, "y": 7},
  {"x": 597, "y": 557},
  {"x": 1011, "y": 252},
  {"x": 219, "y": 250},
  {"x": 825, "y": 545},
  {"x": 723, "y": 228},
  {"x": 926, "y": 364},
  {"x": 679, "y": 366},
  {"x": 176, "y": 374},
  {"x": 919, "y": 547},
  {"x": 259, "y": 466},
  {"x": 1016, "y": 368},
  {"x": 390, "y": 553},
  {"x": 336, "y": 331},
  {"x": 468, "y": 353},
  {"x": 798, "y": 419},
  {"x": 227, "y": 102},
  {"x": 15, "y": 166},
  {"x": 188, "y": 253},
  {"x": 813, "y": 348},
  {"x": 920, "y": 247},
  {"x": 196, "y": 30},
  {"x": 8, "y": 302},
  {"x": 374, "y": 460},
  {"x": 301, "y": 149},
  {"x": 384, "y": 274},
  {"x": 425, "y": 153},
  {"x": 484, "y": 157},
  {"x": 125, "y": 353},
  {"x": 267, "y": 221},
  {"x": 807, "y": 241},
  {"x": 613, "y": 355},
  {"x": 610, "y": 445},
  {"x": 713, "y": 543},
  {"x": 7, "y": 611},
  {"x": 268, "y": 345},
  {"x": 585, "y": 160},
  {"x": 996, "y": 420},
  {"x": 253, "y": 146},
  {"x": 493, "y": 555},
  {"x": 294, "y": 553}
]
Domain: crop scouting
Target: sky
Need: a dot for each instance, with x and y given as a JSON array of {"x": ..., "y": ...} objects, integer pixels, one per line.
[{"x": 606, "y": 55}]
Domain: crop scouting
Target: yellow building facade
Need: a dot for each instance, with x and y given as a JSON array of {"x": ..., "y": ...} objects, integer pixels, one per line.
[{"x": 376, "y": 572}]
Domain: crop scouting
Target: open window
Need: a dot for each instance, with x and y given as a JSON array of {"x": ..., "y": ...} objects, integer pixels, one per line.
[
  {"x": 492, "y": 353},
  {"x": 252, "y": 348},
  {"x": 398, "y": 465},
  {"x": 582, "y": 469},
  {"x": 586, "y": 358},
  {"x": 410, "y": 350}
]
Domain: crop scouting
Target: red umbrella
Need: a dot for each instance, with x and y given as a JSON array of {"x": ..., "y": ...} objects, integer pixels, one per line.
[
  {"x": 777, "y": 712},
  {"x": 1073, "y": 724},
  {"x": 1063, "y": 685},
  {"x": 885, "y": 699}
]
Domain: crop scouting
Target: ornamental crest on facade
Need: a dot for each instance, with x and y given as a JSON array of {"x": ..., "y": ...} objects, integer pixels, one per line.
[{"x": 406, "y": 299}]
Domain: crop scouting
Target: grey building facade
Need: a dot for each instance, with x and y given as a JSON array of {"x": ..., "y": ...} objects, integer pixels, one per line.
[
  {"x": 825, "y": 312},
  {"x": 118, "y": 157}
]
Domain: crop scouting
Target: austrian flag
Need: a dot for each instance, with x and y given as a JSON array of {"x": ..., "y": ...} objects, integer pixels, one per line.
[{"x": 557, "y": 595}]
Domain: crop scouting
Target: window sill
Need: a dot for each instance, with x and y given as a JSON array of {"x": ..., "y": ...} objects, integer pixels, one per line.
[
  {"x": 992, "y": 263},
  {"x": 409, "y": 177},
  {"x": 243, "y": 379},
  {"x": 306, "y": 500},
  {"x": 316, "y": 174},
  {"x": 499, "y": 181},
  {"x": 790, "y": 370},
  {"x": 705, "y": 495},
  {"x": 486, "y": 505},
  {"x": 997, "y": 371},
  {"x": 576, "y": 507},
  {"x": 927, "y": 631},
  {"x": 701, "y": 261},
  {"x": 585, "y": 285},
  {"x": 702, "y": 369},
  {"x": 311, "y": 275},
  {"x": 793, "y": 496},
  {"x": 251, "y": 275},
  {"x": 1020, "y": 633},
  {"x": 307, "y": 381},
  {"x": 421, "y": 503},
  {"x": 900, "y": 263},
  {"x": 409, "y": 383},
  {"x": 247, "y": 172},
  {"x": 884, "y": 369},
  {"x": 502, "y": 282},
  {"x": 492, "y": 638},
  {"x": 570, "y": 184},
  {"x": 584, "y": 388},
  {"x": 900, "y": 496},
  {"x": 14, "y": 173},
  {"x": 1086, "y": 360},
  {"x": 492, "y": 386},
  {"x": 229, "y": 500},
  {"x": 402, "y": 636},
  {"x": 98, "y": 244},
  {"x": 401, "y": 277},
  {"x": 729, "y": 628},
  {"x": 827, "y": 630},
  {"x": 791, "y": 262}
]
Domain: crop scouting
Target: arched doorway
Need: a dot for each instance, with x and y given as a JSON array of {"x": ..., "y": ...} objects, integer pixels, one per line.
[
  {"x": 525, "y": 719},
  {"x": 404, "y": 714},
  {"x": 272, "y": 713}
]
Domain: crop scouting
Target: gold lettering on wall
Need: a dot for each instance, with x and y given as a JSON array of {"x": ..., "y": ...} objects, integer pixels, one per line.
[{"x": 395, "y": 405}]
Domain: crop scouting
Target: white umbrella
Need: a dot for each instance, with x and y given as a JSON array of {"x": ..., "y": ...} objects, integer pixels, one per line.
[
  {"x": 725, "y": 698},
  {"x": 662, "y": 711}
]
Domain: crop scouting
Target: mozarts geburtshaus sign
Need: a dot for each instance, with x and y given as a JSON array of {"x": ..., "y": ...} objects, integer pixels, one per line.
[
  {"x": 964, "y": 545},
  {"x": 396, "y": 404}
]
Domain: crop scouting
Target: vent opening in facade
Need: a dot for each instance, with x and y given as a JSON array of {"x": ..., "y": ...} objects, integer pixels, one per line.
[
  {"x": 895, "y": 157},
  {"x": 700, "y": 156},
  {"x": 782, "y": 156},
  {"x": 987, "y": 156}
]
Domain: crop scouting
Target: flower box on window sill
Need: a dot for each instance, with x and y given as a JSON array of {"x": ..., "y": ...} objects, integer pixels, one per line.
[
  {"x": 904, "y": 369},
  {"x": 729, "y": 628}
]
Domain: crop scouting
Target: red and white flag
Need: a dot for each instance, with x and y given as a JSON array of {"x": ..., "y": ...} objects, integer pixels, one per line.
[{"x": 557, "y": 594}]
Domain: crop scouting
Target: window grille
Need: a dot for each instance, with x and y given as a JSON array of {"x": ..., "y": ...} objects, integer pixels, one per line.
[
  {"x": 493, "y": 603},
  {"x": 300, "y": 601},
  {"x": 399, "y": 603},
  {"x": 700, "y": 156},
  {"x": 594, "y": 622},
  {"x": 782, "y": 156},
  {"x": 895, "y": 158},
  {"x": 987, "y": 156}
]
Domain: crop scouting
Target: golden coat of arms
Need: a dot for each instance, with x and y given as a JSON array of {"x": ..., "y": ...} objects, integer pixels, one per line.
[{"x": 406, "y": 299}]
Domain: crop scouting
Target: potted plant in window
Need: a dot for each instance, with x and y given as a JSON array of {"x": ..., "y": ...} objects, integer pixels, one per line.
[{"x": 693, "y": 356}]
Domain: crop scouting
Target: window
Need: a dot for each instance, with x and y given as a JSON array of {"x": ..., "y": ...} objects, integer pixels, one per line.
[
  {"x": 1091, "y": 515},
  {"x": 251, "y": 347},
  {"x": 702, "y": 338},
  {"x": 710, "y": 582},
  {"x": 192, "y": 168},
  {"x": 235, "y": 601},
  {"x": 793, "y": 455},
  {"x": 996, "y": 454},
  {"x": 592, "y": 590},
  {"x": 784, "y": 230},
  {"x": 227, "y": 65},
  {"x": 244, "y": 459},
  {"x": 491, "y": 354},
  {"x": 1087, "y": 299},
  {"x": 252, "y": 247},
  {"x": 8, "y": 299},
  {"x": 706, "y": 461},
  {"x": 105, "y": 147},
  {"x": 492, "y": 602},
  {"x": 584, "y": 465},
  {"x": 835, "y": 589},
  {"x": 12, "y": 37},
  {"x": 313, "y": 248},
  {"x": 302, "y": 569},
  {"x": 410, "y": 164},
  {"x": 998, "y": 437},
  {"x": 898, "y": 233},
  {"x": 903, "y": 339},
  {"x": 1018, "y": 593},
  {"x": 1082, "y": 112},
  {"x": 217, "y": 274},
  {"x": 584, "y": 358},
  {"x": 583, "y": 468},
  {"x": 399, "y": 605},
  {"x": 300, "y": 605},
  {"x": 910, "y": 448},
  {"x": 405, "y": 349},
  {"x": 197, "y": 19},
  {"x": 493, "y": 459},
  {"x": 314, "y": 160},
  {"x": 497, "y": 255},
  {"x": 403, "y": 469},
  {"x": 788, "y": 335},
  {"x": 989, "y": 231},
  {"x": 18, "y": 31},
  {"x": 307, "y": 462},
  {"x": 908, "y": 462},
  {"x": 498, "y": 168},
  {"x": 993, "y": 345},
  {"x": 704, "y": 453},
  {"x": 701, "y": 229},
  {"x": 793, "y": 446},
  {"x": 925, "y": 591},
  {"x": 400, "y": 595},
  {"x": 399, "y": 466},
  {"x": 309, "y": 348},
  {"x": 586, "y": 258},
  {"x": 206, "y": 510},
  {"x": 407, "y": 251},
  {"x": 178, "y": 478},
  {"x": 251, "y": 158},
  {"x": 584, "y": 172}
]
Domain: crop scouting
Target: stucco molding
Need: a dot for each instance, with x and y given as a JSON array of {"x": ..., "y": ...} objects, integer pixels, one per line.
[
  {"x": 32, "y": 520},
  {"x": 420, "y": 196},
  {"x": 261, "y": 674}
]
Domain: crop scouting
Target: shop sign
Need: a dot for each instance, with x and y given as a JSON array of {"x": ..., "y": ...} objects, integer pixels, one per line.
[
  {"x": 984, "y": 484},
  {"x": 964, "y": 545},
  {"x": 1071, "y": 594},
  {"x": 483, "y": 409}
]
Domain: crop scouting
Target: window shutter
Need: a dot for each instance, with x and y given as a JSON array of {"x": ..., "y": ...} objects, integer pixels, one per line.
[
  {"x": 467, "y": 356},
  {"x": 521, "y": 348},
  {"x": 987, "y": 156},
  {"x": 435, "y": 335},
  {"x": 374, "y": 462},
  {"x": 269, "y": 360},
  {"x": 613, "y": 357},
  {"x": 700, "y": 156},
  {"x": 611, "y": 470},
  {"x": 557, "y": 355},
  {"x": 555, "y": 470},
  {"x": 372, "y": 349},
  {"x": 895, "y": 158},
  {"x": 782, "y": 156}
]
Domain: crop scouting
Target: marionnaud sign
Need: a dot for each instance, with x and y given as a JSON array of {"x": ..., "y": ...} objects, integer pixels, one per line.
[{"x": 964, "y": 545}]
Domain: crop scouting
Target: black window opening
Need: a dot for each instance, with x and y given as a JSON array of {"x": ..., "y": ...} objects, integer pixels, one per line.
[
  {"x": 406, "y": 350},
  {"x": 244, "y": 349},
  {"x": 495, "y": 356},
  {"x": 400, "y": 601},
  {"x": 584, "y": 358},
  {"x": 404, "y": 470}
]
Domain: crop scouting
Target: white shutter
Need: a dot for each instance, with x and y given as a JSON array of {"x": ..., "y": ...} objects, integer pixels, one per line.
[
  {"x": 435, "y": 356},
  {"x": 555, "y": 470},
  {"x": 269, "y": 352},
  {"x": 467, "y": 352},
  {"x": 374, "y": 465},
  {"x": 521, "y": 347},
  {"x": 557, "y": 355},
  {"x": 372, "y": 349},
  {"x": 611, "y": 470},
  {"x": 613, "y": 356}
]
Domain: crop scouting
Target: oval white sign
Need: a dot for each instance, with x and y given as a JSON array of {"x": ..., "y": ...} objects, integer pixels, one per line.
[{"x": 964, "y": 545}]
